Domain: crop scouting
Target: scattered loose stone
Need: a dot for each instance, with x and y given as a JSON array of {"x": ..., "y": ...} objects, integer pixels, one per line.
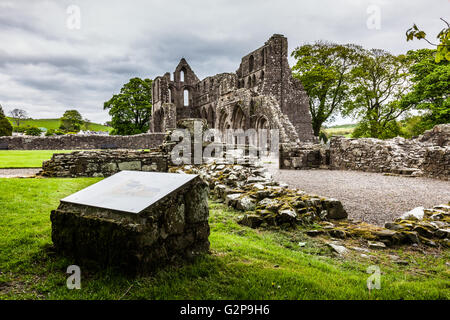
[
  {"x": 245, "y": 204},
  {"x": 338, "y": 233},
  {"x": 335, "y": 210},
  {"x": 360, "y": 249},
  {"x": 269, "y": 203},
  {"x": 376, "y": 245},
  {"x": 385, "y": 233},
  {"x": 250, "y": 220},
  {"x": 443, "y": 233},
  {"x": 313, "y": 233},
  {"x": 341, "y": 250},
  {"x": 414, "y": 214}
]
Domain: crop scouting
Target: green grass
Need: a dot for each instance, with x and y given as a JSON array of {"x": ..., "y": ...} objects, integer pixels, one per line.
[
  {"x": 243, "y": 264},
  {"x": 341, "y": 130},
  {"x": 26, "y": 158},
  {"x": 55, "y": 123}
]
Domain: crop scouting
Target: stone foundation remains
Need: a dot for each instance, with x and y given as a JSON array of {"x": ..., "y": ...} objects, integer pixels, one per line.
[
  {"x": 428, "y": 155},
  {"x": 102, "y": 163},
  {"x": 174, "y": 228},
  {"x": 264, "y": 202}
]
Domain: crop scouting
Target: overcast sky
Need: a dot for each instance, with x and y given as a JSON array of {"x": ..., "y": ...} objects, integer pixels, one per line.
[{"x": 48, "y": 65}]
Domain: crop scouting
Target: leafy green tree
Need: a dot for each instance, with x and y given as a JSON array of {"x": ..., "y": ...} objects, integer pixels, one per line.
[
  {"x": 430, "y": 92},
  {"x": 71, "y": 121},
  {"x": 131, "y": 108},
  {"x": 54, "y": 132},
  {"x": 324, "y": 69},
  {"x": 33, "y": 131},
  {"x": 378, "y": 82},
  {"x": 5, "y": 126},
  {"x": 443, "y": 47}
]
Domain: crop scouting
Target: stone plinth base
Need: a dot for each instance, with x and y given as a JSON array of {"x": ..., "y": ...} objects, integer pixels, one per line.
[{"x": 173, "y": 229}]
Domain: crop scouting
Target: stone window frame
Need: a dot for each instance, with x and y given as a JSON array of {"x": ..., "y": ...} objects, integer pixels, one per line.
[
  {"x": 251, "y": 63},
  {"x": 186, "y": 97}
]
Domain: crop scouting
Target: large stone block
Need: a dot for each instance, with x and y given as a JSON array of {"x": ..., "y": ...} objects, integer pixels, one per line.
[{"x": 174, "y": 228}]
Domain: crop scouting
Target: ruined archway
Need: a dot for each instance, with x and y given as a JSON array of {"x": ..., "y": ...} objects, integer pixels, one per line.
[
  {"x": 239, "y": 119},
  {"x": 211, "y": 116},
  {"x": 263, "y": 134},
  {"x": 158, "y": 121},
  {"x": 222, "y": 121},
  {"x": 251, "y": 63}
]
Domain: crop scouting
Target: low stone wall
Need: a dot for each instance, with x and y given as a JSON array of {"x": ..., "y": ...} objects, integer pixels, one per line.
[
  {"x": 175, "y": 228},
  {"x": 438, "y": 136},
  {"x": 436, "y": 163},
  {"x": 82, "y": 142},
  {"x": 427, "y": 155},
  {"x": 102, "y": 163},
  {"x": 375, "y": 155},
  {"x": 303, "y": 156},
  {"x": 396, "y": 156}
]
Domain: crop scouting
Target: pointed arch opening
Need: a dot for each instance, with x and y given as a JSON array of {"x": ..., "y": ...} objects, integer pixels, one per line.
[
  {"x": 251, "y": 63},
  {"x": 186, "y": 97}
]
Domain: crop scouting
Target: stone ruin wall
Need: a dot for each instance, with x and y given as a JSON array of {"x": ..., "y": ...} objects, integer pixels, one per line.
[
  {"x": 273, "y": 77},
  {"x": 82, "y": 142},
  {"x": 261, "y": 94},
  {"x": 102, "y": 163},
  {"x": 428, "y": 155}
]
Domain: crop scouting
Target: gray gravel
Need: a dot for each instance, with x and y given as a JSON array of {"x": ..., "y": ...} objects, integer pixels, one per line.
[
  {"x": 369, "y": 197},
  {"x": 18, "y": 173}
]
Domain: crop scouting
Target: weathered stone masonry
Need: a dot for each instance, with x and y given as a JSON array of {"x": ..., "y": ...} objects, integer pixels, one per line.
[
  {"x": 428, "y": 155},
  {"x": 173, "y": 229},
  {"x": 103, "y": 163},
  {"x": 82, "y": 142},
  {"x": 262, "y": 94}
]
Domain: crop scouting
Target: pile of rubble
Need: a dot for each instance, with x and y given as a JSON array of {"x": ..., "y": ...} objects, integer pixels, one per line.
[
  {"x": 250, "y": 188},
  {"x": 265, "y": 203},
  {"x": 430, "y": 227}
]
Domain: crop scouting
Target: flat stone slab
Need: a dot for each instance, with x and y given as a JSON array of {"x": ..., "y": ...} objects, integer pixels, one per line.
[
  {"x": 130, "y": 191},
  {"x": 134, "y": 221}
]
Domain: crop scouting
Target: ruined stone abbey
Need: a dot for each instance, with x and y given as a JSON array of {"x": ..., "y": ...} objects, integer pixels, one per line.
[{"x": 261, "y": 94}]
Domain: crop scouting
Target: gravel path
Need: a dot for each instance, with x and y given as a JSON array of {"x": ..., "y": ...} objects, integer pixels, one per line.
[
  {"x": 370, "y": 197},
  {"x": 18, "y": 173}
]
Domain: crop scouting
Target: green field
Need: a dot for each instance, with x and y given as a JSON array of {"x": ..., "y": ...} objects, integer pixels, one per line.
[
  {"x": 26, "y": 158},
  {"x": 341, "y": 130},
  {"x": 55, "y": 123},
  {"x": 244, "y": 263}
]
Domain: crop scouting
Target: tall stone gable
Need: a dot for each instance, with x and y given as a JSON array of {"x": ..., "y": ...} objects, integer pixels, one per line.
[{"x": 261, "y": 94}]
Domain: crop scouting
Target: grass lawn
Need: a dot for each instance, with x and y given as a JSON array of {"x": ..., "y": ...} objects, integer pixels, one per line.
[
  {"x": 26, "y": 158},
  {"x": 341, "y": 130},
  {"x": 55, "y": 123},
  {"x": 243, "y": 264}
]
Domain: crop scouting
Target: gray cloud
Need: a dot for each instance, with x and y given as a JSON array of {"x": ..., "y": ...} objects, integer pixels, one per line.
[{"x": 46, "y": 67}]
